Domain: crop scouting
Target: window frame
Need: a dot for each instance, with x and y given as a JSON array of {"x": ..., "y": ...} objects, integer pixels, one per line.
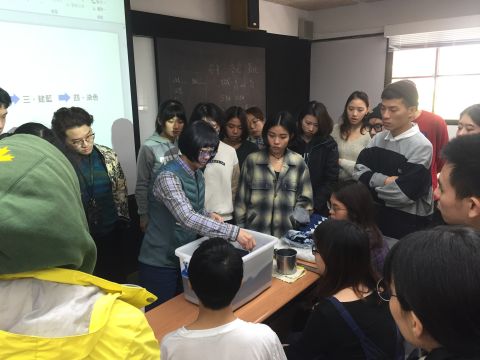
[{"x": 436, "y": 76}]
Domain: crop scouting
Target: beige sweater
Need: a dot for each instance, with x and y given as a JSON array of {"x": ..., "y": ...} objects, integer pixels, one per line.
[{"x": 348, "y": 152}]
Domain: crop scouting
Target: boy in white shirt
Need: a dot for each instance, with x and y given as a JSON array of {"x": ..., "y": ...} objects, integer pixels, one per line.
[{"x": 215, "y": 273}]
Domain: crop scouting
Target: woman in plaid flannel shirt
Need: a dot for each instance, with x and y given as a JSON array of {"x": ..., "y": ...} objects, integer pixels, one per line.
[{"x": 273, "y": 182}]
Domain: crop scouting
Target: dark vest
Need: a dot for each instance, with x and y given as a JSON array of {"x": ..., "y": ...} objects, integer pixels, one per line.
[{"x": 164, "y": 234}]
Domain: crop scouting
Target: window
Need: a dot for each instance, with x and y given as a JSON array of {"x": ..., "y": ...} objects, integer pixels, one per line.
[{"x": 447, "y": 78}]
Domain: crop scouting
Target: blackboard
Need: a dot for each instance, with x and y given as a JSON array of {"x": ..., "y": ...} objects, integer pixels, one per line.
[{"x": 194, "y": 71}]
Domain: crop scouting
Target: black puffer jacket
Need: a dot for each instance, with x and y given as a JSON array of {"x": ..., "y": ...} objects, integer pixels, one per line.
[{"x": 321, "y": 156}]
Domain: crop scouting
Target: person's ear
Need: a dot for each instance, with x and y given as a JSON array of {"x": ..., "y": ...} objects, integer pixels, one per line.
[
  {"x": 474, "y": 207},
  {"x": 416, "y": 326},
  {"x": 412, "y": 111}
]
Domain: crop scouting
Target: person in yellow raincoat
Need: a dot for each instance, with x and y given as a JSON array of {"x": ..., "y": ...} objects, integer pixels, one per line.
[{"x": 51, "y": 306}]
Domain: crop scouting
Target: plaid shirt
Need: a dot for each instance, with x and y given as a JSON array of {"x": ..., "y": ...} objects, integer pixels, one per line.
[
  {"x": 266, "y": 204},
  {"x": 168, "y": 189}
]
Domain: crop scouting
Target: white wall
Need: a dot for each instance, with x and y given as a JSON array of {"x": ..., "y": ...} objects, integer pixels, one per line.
[
  {"x": 280, "y": 19},
  {"x": 205, "y": 10},
  {"x": 274, "y": 18},
  {"x": 368, "y": 18},
  {"x": 342, "y": 66},
  {"x": 146, "y": 85}
]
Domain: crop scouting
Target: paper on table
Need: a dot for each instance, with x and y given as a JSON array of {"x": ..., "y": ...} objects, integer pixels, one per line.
[{"x": 289, "y": 278}]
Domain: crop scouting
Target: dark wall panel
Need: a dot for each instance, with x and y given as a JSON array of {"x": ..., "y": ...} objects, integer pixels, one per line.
[{"x": 287, "y": 58}]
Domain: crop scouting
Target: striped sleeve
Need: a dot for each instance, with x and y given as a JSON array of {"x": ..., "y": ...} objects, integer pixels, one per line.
[{"x": 168, "y": 189}]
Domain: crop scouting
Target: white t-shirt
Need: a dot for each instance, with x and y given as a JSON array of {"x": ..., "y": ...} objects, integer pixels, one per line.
[
  {"x": 237, "y": 340},
  {"x": 218, "y": 181}
]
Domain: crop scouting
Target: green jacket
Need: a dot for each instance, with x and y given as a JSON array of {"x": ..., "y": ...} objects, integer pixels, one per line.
[{"x": 164, "y": 234}]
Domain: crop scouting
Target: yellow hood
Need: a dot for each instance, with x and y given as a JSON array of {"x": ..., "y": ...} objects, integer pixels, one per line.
[{"x": 117, "y": 329}]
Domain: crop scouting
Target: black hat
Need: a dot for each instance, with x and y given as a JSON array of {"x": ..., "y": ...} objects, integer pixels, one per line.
[{"x": 374, "y": 114}]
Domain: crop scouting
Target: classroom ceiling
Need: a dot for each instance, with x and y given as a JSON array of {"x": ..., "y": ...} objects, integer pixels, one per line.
[{"x": 319, "y": 4}]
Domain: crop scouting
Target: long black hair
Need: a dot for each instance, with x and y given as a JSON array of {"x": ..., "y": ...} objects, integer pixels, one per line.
[
  {"x": 231, "y": 113},
  {"x": 319, "y": 111},
  {"x": 344, "y": 248},
  {"x": 283, "y": 119},
  {"x": 345, "y": 126}
]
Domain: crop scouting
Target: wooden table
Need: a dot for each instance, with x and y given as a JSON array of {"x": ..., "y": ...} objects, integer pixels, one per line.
[{"x": 178, "y": 312}]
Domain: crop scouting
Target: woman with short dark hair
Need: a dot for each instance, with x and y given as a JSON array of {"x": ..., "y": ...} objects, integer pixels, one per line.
[
  {"x": 350, "y": 321},
  {"x": 319, "y": 150},
  {"x": 177, "y": 208},
  {"x": 234, "y": 132},
  {"x": 222, "y": 173},
  {"x": 432, "y": 282},
  {"x": 157, "y": 150}
]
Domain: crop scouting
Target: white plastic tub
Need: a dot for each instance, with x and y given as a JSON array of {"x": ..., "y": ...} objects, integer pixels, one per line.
[{"x": 257, "y": 268}]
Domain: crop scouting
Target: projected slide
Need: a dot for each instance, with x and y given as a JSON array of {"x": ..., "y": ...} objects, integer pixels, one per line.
[{"x": 65, "y": 53}]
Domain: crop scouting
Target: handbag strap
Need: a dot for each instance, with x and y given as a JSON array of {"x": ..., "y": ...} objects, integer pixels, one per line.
[{"x": 371, "y": 350}]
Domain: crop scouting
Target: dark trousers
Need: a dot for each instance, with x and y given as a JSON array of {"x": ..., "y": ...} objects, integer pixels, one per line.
[
  {"x": 110, "y": 262},
  {"x": 165, "y": 283}
]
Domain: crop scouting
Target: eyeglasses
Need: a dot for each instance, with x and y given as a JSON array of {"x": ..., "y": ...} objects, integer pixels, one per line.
[
  {"x": 207, "y": 152},
  {"x": 255, "y": 121},
  {"x": 383, "y": 290},
  {"x": 335, "y": 208},
  {"x": 315, "y": 250},
  {"x": 87, "y": 140},
  {"x": 376, "y": 127}
]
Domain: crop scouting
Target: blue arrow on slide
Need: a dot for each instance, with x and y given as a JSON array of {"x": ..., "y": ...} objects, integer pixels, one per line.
[
  {"x": 63, "y": 97},
  {"x": 14, "y": 98}
]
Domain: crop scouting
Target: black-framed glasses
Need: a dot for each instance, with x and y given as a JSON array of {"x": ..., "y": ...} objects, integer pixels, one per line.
[
  {"x": 383, "y": 290},
  {"x": 315, "y": 250},
  {"x": 207, "y": 152},
  {"x": 376, "y": 127},
  {"x": 86, "y": 140}
]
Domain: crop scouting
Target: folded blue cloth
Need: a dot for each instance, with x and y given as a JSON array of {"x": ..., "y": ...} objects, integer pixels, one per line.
[{"x": 303, "y": 238}]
